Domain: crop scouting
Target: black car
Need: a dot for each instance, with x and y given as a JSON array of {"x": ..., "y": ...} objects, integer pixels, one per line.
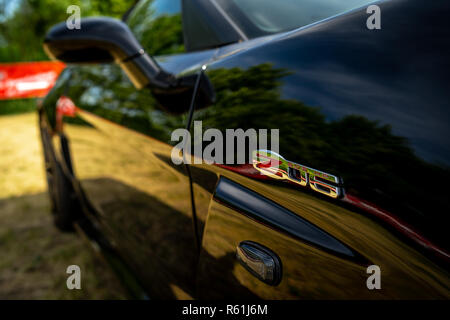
[{"x": 353, "y": 205}]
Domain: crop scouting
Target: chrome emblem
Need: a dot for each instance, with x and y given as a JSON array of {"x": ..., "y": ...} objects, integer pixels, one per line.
[{"x": 273, "y": 165}]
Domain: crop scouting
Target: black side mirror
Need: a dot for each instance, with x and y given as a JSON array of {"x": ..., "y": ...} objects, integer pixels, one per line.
[{"x": 103, "y": 40}]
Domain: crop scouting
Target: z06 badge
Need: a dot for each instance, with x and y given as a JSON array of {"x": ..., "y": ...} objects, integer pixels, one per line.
[{"x": 275, "y": 166}]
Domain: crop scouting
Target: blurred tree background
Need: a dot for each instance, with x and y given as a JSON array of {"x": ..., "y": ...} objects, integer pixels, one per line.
[{"x": 23, "y": 23}]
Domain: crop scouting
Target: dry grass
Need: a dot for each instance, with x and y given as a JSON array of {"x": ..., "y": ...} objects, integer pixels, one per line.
[
  {"x": 33, "y": 254},
  {"x": 21, "y": 166}
]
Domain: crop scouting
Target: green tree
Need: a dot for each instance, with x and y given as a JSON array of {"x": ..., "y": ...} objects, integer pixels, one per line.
[{"x": 23, "y": 30}]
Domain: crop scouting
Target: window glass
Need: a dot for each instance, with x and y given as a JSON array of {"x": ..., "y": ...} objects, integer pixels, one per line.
[
  {"x": 157, "y": 25},
  {"x": 262, "y": 17}
]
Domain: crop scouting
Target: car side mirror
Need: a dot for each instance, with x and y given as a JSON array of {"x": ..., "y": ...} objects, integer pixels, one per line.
[{"x": 103, "y": 40}]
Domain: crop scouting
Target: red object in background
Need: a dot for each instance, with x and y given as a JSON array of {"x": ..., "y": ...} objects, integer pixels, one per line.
[
  {"x": 65, "y": 107},
  {"x": 28, "y": 79}
]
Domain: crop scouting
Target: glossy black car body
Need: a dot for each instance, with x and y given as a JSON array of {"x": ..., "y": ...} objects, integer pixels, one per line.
[{"x": 368, "y": 106}]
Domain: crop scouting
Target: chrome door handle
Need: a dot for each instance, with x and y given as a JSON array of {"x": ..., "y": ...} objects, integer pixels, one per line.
[{"x": 260, "y": 261}]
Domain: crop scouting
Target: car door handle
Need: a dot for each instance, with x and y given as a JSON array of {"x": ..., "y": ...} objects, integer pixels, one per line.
[{"x": 260, "y": 262}]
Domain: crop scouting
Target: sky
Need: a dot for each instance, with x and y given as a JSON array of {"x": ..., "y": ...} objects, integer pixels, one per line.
[{"x": 7, "y": 7}]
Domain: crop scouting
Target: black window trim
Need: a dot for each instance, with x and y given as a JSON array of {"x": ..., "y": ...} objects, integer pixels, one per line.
[
  {"x": 213, "y": 15},
  {"x": 229, "y": 20},
  {"x": 218, "y": 21}
]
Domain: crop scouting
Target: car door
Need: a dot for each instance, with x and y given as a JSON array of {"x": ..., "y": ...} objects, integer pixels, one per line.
[
  {"x": 340, "y": 194},
  {"x": 120, "y": 144}
]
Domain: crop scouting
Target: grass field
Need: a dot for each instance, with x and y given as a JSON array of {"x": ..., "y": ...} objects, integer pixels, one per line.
[{"x": 34, "y": 255}]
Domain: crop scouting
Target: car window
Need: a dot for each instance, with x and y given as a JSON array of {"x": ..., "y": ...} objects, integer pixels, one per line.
[
  {"x": 262, "y": 17},
  {"x": 157, "y": 25}
]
